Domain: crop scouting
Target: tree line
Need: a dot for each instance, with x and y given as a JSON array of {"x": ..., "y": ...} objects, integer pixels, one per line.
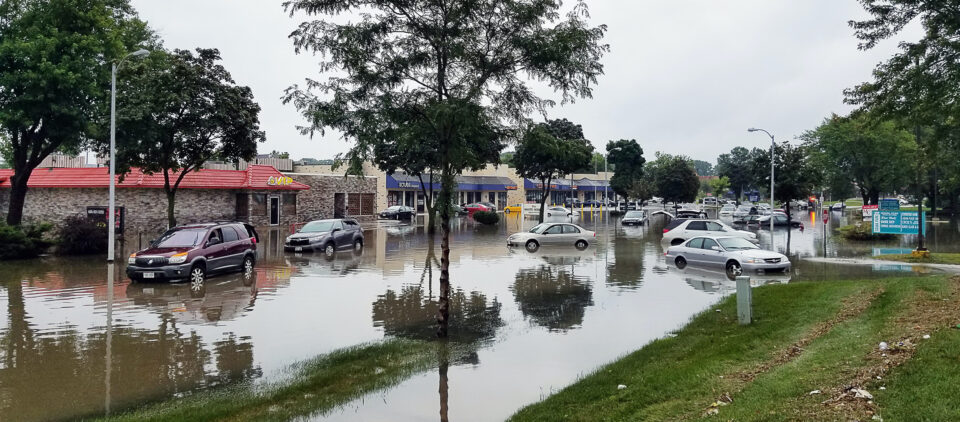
[{"x": 176, "y": 109}]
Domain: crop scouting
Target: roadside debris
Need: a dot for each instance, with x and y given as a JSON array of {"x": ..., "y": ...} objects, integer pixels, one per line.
[
  {"x": 926, "y": 336},
  {"x": 621, "y": 387},
  {"x": 715, "y": 406},
  {"x": 814, "y": 392},
  {"x": 884, "y": 345}
]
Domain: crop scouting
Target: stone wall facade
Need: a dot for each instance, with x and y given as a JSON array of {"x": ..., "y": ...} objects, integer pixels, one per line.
[{"x": 319, "y": 201}]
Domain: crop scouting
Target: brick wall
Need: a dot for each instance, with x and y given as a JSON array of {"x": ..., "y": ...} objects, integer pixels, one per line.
[{"x": 317, "y": 202}]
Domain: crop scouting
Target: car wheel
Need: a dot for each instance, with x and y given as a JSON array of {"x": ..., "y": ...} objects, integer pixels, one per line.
[
  {"x": 247, "y": 265},
  {"x": 532, "y": 245},
  {"x": 357, "y": 245},
  {"x": 734, "y": 269},
  {"x": 581, "y": 244},
  {"x": 329, "y": 249},
  {"x": 676, "y": 242},
  {"x": 198, "y": 275},
  {"x": 680, "y": 262}
]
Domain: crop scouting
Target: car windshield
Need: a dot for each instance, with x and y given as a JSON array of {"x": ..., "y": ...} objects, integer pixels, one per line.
[
  {"x": 539, "y": 228},
  {"x": 394, "y": 208},
  {"x": 744, "y": 207},
  {"x": 736, "y": 244},
  {"x": 181, "y": 238},
  {"x": 729, "y": 207},
  {"x": 634, "y": 214},
  {"x": 317, "y": 227}
]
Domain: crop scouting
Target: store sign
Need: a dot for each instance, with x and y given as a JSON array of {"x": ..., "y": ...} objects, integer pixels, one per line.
[
  {"x": 408, "y": 185},
  {"x": 279, "y": 181},
  {"x": 99, "y": 216},
  {"x": 754, "y": 198},
  {"x": 889, "y": 204},
  {"x": 868, "y": 211},
  {"x": 511, "y": 187},
  {"x": 898, "y": 222}
]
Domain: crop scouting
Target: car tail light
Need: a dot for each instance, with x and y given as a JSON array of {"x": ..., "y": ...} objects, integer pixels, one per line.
[
  {"x": 665, "y": 230},
  {"x": 254, "y": 240}
]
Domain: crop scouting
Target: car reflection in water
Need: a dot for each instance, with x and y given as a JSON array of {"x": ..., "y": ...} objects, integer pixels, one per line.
[
  {"x": 719, "y": 282},
  {"x": 217, "y": 299},
  {"x": 339, "y": 264}
]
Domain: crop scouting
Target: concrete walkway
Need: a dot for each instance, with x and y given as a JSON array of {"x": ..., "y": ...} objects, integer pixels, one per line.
[{"x": 950, "y": 268}]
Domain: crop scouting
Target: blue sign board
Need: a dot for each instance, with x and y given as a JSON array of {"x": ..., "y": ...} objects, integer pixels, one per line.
[
  {"x": 897, "y": 222},
  {"x": 754, "y": 198},
  {"x": 889, "y": 205}
]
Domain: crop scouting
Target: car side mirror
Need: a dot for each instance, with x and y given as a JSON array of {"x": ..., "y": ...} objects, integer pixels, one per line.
[
  {"x": 716, "y": 248},
  {"x": 334, "y": 230},
  {"x": 213, "y": 241}
]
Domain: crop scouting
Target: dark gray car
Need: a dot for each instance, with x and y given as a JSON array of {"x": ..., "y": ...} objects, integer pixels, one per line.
[{"x": 328, "y": 236}]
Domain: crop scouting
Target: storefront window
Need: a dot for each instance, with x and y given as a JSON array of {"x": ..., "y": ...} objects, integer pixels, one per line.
[
  {"x": 394, "y": 198},
  {"x": 289, "y": 204},
  {"x": 501, "y": 200},
  {"x": 243, "y": 206}
]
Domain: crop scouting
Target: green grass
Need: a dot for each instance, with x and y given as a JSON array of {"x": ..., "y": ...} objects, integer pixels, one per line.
[
  {"x": 678, "y": 378},
  {"x": 934, "y": 258},
  {"x": 862, "y": 231},
  {"x": 917, "y": 390},
  {"x": 316, "y": 386},
  {"x": 849, "y": 202}
]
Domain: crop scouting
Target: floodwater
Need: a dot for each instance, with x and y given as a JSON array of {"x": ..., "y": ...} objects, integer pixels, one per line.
[{"x": 79, "y": 340}]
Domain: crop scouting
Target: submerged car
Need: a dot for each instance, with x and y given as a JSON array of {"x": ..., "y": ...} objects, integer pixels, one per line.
[
  {"x": 194, "y": 251},
  {"x": 690, "y": 213},
  {"x": 558, "y": 211},
  {"x": 553, "y": 234},
  {"x": 397, "y": 212},
  {"x": 472, "y": 208},
  {"x": 734, "y": 254},
  {"x": 678, "y": 231},
  {"x": 327, "y": 236},
  {"x": 634, "y": 218},
  {"x": 728, "y": 209},
  {"x": 515, "y": 208},
  {"x": 778, "y": 220}
]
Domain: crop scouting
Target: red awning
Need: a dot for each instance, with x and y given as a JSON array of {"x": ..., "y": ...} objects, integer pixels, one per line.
[{"x": 255, "y": 177}]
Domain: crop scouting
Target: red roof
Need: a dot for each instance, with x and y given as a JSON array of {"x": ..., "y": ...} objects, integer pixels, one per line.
[{"x": 254, "y": 177}]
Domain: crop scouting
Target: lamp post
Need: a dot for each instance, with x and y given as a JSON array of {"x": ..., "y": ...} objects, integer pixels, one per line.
[
  {"x": 111, "y": 211},
  {"x": 772, "y": 146}
]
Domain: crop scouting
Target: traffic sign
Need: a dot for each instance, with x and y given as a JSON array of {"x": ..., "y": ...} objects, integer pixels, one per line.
[
  {"x": 897, "y": 222},
  {"x": 868, "y": 211}
]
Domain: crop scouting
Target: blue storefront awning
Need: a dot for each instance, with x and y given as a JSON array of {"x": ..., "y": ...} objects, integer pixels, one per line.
[
  {"x": 588, "y": 185},
  {"x": 464, "y": 183}
]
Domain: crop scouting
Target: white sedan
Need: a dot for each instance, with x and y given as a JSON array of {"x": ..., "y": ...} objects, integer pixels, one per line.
[
  {"x": 678, "y": 231},
  {"x": 558, "y": 212},
  {"x": 733, "y": 254},
  {"x": 553, "y": 234}
]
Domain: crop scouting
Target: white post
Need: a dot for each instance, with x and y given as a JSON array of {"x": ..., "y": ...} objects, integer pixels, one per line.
[
  {"x": 772, "y": 146},
  {"x": 111, "y": 222},
  {"x": 744, "y": 301}
]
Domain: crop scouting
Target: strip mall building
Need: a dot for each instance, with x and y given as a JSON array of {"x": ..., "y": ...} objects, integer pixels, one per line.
[{"x": 264, "y": 196}]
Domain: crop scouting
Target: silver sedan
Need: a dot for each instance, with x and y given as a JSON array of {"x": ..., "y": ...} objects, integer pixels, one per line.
[
  {"x": 553, "y": 234},
  {"x": 734, "y": 254}
]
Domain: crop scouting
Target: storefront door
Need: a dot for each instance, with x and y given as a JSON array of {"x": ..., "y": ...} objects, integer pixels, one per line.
[{"x": 274, "y": 210}]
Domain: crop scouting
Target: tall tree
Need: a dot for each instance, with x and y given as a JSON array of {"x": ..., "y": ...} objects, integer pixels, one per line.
[
  {"x": 795, "y": 175},
  {"x": 703, "y": 168},
  {"x": 455, "y": 69},
  {"x": 627, "y": 157},
  {"x": 178, "y": 110},
  {"x": 55, "y": 77},
  {"x": 673, "y": 178},
  {"x": 720, "y": 186},
  {"x": 415, "y": 156},
  {"x": 736, "y": 166},
  {"x": 876, "y": 156},
  {"x": 550, "y": 151}
]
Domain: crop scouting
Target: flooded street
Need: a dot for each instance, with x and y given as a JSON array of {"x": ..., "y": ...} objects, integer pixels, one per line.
[{"x": 74, "y": 344}]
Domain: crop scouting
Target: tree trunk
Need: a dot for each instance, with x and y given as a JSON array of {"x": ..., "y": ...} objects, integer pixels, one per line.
[
  {"x": 171, "y": 201},
  {"x": 447, "y": 184},
  {"x": 874, "y": 197},
  {"x": 428, "y": 203},
  {"x": 543, "y": 198},
  {"x": 444, "y": 390},
  {"x": 18, "y": 196}
]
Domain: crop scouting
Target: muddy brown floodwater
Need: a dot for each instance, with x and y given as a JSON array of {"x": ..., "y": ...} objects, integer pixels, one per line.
[{"x": 74, "y": 344}]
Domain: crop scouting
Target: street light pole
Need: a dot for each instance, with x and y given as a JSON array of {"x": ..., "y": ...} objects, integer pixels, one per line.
[
  {"x": 111, "y": 209},
  {"x": 773, "y": 145}
]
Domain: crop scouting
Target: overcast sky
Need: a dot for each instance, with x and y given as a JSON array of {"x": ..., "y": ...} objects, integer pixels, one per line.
[{"x": 682, "y": 77}]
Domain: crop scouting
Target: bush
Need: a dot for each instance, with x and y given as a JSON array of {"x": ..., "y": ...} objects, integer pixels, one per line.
[
  {"x": 486, "y": 217},
  {"x": 81, "y": 236},
  {"x": 862, "y": 231},
  {"x": 22, "y": 242}
]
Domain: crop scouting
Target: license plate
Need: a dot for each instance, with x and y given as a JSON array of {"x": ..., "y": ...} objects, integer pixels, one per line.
[
  {"x": 148, "y": 291},
  {"x": 298, "y": 249},
  {"x": 147, "y": 275}
]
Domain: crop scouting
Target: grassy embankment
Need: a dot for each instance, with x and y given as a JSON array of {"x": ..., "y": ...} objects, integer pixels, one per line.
[
  {"x": 317, "y": 386},
  {"x": 805, "y": 337},
  {"x": 933, "y": 258}
]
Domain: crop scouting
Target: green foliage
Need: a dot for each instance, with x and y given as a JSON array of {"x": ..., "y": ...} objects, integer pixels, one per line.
[
  {"x": 673, "y": 178},
  {"x": 176, "y": 110},
  {"x": 703, "y": 168},
  {"x": 506, "y": 158},
  {"x": 549, "y": 151},
  {"x": 627, "y": 157},
  {"x": 486, "y": 217},
  {"x": 281, "y": 155},
  {"x": 737, "y": 167},
  {"x": 55, "y": 75},
  {"x": 23, "y": 242},
  {"x": 862, "y": 231},
  {"x": 876, "y": 156},
  {"x": 720, "y": 186},
  {"x": 795, "y": 175},
  {"x": 79, "y": 235}
]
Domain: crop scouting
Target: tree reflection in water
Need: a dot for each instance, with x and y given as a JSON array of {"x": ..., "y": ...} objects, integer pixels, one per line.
[
  {"x": 626, "y": 268},
  {"x": 61, "y": 375},
  {"x": 411, "y": 314},
  {"x": 552, "y": 297}
]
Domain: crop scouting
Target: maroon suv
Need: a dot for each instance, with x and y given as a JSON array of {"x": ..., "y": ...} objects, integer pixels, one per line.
[{"x": 193, "y": 251}]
